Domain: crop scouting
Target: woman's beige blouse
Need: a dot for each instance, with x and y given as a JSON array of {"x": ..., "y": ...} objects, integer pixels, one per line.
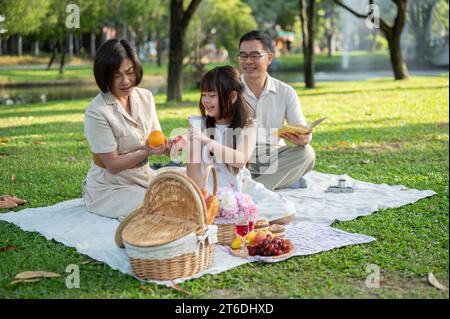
[{"x": 108, "y": 127}]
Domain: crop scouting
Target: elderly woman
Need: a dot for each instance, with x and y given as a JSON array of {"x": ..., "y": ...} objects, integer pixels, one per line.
[{"x": 116, "y": 125}]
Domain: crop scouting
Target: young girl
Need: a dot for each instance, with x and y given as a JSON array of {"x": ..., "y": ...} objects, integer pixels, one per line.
[{"x": 225, "y": 136}]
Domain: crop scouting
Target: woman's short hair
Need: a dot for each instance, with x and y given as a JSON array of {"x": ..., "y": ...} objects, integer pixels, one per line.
[
  {"x": 108, "y": 59},
  {"x": 261, "y": 36}
]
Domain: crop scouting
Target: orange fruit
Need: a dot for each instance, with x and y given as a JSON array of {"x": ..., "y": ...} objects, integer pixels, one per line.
[{"x": 156, "y": 139}]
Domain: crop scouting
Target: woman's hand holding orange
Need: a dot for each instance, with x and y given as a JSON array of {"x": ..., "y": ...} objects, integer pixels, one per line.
[
  {"x": 157, "y": 144},
  {"x": 160, "y": 150}
]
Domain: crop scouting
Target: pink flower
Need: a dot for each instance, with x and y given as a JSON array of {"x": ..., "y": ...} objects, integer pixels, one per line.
[{"x": 234, "y": 204}]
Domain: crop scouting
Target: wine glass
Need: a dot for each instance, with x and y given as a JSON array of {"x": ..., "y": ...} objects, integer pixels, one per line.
[
  {"x": 242, "y": 230},
  {"x": 251, "y": 223}
]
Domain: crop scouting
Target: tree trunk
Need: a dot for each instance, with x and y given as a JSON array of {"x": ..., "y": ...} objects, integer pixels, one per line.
[
  {"x": 420, "y": 14},
  {"x": 36, "y": 48},
  {"x": 331, "y": 43},
  {"x": 159, "y": 49},
  {"x": 179, "y": 22},
  {"x": 93, "y": 50},
  {"x": 392, "y": 34},
  {"x": 307, "y": 18},
  {"x": 175, "y": 83},
  {"x": 19, "y": 44},
  {"x": 398, "y": 64},
  {"x": 77, "y": 44},
  {"x": 70, "y": 43},
  {"x": 1, "y": 46},
  {"x": 54, "y": 49},
  {"x": 63, "y": 55}
]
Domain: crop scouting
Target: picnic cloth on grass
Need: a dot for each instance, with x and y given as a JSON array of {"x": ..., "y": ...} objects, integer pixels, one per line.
[
  {"x": 313, "y": 204},
  {"x": 69, "y": 223}
]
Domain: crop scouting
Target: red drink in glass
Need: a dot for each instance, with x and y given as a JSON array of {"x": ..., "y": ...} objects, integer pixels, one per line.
[
  {"x": 251, "y": 226},
  {"x": 242, "y": 230}
]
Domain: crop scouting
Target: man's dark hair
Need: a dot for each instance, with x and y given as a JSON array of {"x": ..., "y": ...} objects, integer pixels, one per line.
[
  {"x": 261, "y": 36},
  {"x": 108, "y": 59}
]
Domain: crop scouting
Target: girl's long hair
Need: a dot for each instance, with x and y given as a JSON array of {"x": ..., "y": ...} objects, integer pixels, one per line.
[{"x": 224, "y": 80}]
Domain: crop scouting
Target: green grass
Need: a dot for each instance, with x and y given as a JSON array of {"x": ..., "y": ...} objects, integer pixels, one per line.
[
  {"x": 82, "y": 73},
  {"x": 402, "y": 128},
  {"x": 294, "y": 62}
]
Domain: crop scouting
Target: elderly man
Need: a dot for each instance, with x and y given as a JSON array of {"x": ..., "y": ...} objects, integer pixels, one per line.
[{"x": 273, "y": 164}]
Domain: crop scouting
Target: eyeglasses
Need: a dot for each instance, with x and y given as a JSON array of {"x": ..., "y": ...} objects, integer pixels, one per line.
[{"x": 253, "y": 57}]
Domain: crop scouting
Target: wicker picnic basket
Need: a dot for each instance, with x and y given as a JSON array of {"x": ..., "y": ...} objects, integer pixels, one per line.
[
  {"x": 168, "y": 236},
  {"x": 226, "y": 233}
]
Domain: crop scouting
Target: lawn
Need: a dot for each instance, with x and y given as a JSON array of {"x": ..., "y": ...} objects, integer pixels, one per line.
[
  {"x": 73, "y": 73},
  {"x": 380, "y": 131},
  {"x": 81, "y": 70}
]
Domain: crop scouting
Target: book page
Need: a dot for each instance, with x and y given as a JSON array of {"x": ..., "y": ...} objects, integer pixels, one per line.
[{"x": 298, "y": 129}]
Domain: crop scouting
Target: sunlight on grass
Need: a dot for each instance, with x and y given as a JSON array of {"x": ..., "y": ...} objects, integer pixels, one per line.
[{"x": 381, "y": 131}]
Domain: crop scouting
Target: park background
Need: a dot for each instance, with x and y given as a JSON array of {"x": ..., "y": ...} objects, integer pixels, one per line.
[{"x": 383, "y": 87}]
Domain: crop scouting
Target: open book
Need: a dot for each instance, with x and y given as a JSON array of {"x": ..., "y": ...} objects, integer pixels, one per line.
[{"x": 298, "y": 129}]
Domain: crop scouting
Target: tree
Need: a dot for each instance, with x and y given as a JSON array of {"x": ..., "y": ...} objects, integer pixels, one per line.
[
  {"x": 141, "y": 17},
  {"x": 266, "y": 12},
  {"x": 94, "y": 14},
  {"x": 308, "y": 25},
  {"x": 392, "y": 35},
  {"x": 420, "y": 14},
  {"x": 54, "y": 28},
  {"x": 158, "y": 30},
  {"x": 179, "y": 22},
  {"x": 23, "y": 17},
  {"x": 221, "y": 22},
  {"x": 329, "y": 25}
]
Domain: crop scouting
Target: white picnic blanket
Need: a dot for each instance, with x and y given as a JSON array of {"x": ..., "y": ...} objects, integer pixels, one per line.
[
  {"x": 313, "y": 204},
  {"x": 69, "y": 223}
]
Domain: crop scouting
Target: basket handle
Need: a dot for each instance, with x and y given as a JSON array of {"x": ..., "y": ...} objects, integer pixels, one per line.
[{"x": 210, "y": 170}]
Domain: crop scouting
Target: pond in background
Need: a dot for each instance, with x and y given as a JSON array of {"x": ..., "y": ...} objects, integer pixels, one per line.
[{"x": 48, "y": 93}]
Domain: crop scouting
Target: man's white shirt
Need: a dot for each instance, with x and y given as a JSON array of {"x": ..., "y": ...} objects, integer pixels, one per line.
[{"x": 278, "y": 103}]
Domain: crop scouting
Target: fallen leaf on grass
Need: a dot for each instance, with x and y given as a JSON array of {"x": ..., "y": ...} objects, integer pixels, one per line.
[
  {"x": 13, "y": 178},
  {"x": 33, "y": 276},
  {"x": 26, "y": 275},
  {"x": 365, "y": 161},
  {"x": 7, "y": 247},
  {"x": 436, "y": 283},
  {"x": 39, "y": 143},
  {"x": 182, "y": 290},
  {"x": 27, "y": 280}
]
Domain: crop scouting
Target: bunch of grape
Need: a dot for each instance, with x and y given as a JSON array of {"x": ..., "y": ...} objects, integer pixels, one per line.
[{"x": 270, "y": 246}]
